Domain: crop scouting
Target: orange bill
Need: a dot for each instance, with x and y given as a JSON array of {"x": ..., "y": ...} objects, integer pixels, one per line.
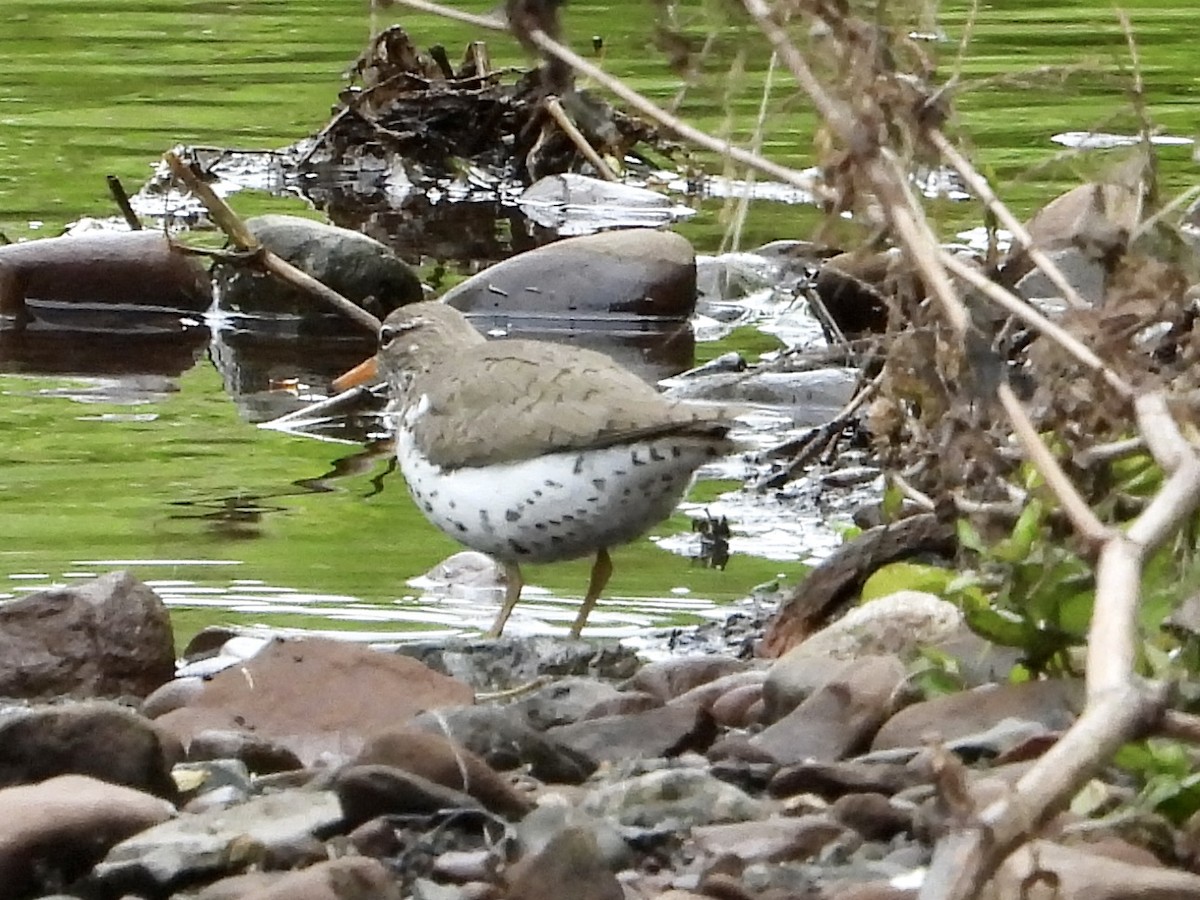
[{"x": 365, "y": 372}]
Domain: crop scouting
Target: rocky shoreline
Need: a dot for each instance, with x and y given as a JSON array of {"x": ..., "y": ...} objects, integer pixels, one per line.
[{"x": 520, "y": 768}]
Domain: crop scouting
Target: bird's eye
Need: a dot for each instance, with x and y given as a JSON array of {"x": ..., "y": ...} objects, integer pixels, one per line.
[{"x": 387, "y": 334}]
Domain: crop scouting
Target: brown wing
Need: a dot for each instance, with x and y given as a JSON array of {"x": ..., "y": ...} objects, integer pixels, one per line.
[{"x": 517, "y": 399}]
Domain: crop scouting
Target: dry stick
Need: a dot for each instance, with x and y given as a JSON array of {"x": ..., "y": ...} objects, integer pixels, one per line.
[
  {"x": 558, "y": 114},
  {"x": 1073, "y": 504},
  {"x": 227, "y": 220},
  {"x": 984, "y": 192},
  {"x": 122, "y": 200},
  {"x": 632, "y": 97}
]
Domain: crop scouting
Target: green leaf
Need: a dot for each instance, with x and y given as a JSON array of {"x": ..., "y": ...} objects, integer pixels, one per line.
[
  {"x": 906, "y": 576},
  {"x": 968, "y": 537}
]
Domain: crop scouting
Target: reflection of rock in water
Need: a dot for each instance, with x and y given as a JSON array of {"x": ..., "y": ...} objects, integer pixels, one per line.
[
  {"x": 265, "y": 373},
  {"x": 78, "y": 341}
]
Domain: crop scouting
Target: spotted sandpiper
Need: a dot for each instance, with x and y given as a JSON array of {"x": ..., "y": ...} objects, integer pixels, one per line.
[{"x": 531, "y": 451}]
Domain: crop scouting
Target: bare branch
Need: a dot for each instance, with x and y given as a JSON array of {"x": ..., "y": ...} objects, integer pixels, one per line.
[
  {"x": 978, "y": 184},
  {"x": 1076, "y": 508}
]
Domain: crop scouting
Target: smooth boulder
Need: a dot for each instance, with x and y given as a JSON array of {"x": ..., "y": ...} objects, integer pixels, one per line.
[
  {"x": 108, "y": 637},
  {"x": 358, "y": 267}
]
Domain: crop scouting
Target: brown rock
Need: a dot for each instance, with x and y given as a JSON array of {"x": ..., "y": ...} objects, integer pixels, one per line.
[
  {"x": 733, "y": 708},
  {"x": 622, "y": 704},
  {"x": 834, "y": 779},
  {"x": 896, "y": 625},
  {"x": 872, "y": 816},
  {"x": 570, "y": 867},
  {"x": 350, "y": 878},
  {"x": 316, "y": 696},
  {"x": 62, "y": 826},
  {"x": 1068, "y": 873},
  {"x": 504, "y": 741},
  {"x": 1051, "y": 703},
  {"x": 872, "y": 890},
  {"x": 235, "y": 887},
  {"x": 100, "y": 739},
  {"x": 664, "y": 731},
  {"x": 108, "y": 637},
  {"x": 376, "y": 837},
  {"x": 710, "y": 692},
  {"x": 175, "y": 693},
  {"x": 261, "y": 756},
  {"x": 443, "y": 761},
  {"x": 669, "y": 678},
  {"x": 839, "y": 718},
  {"x": 366, "y": 792},
  {"x": 131, "y": 267}
]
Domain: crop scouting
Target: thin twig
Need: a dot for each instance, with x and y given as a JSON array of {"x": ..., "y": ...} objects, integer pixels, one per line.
[
  {"x": 229, "y": 222},
  {"x": 558, "y": 114},
  {"x": 978, "y": 184},
  {"x": 1073, "y": 504}
]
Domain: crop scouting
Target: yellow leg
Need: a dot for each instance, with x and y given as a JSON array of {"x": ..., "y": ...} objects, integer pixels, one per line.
[
  {"x": 512, "y": 593},
  {"x": 601, "y": 570}
]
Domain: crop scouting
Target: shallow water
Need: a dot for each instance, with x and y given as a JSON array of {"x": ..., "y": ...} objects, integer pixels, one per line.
[{"x": 139, "y": 450}]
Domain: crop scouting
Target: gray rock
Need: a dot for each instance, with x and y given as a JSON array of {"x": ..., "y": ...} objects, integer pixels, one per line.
[
  {"x": 674, "y": 799},
  {"x": 629, "y": 273},
  {"x": 538, "y": 829},
  {"x": 1051, "y": 703},
  {"x": 100, "y": 739},
  {"x": 773, "y": 839},
  {"x": 216, "y": 841},
  {"x": 570, "y": 867},
  {"x": 508, "y": 662},
  {"x": 261, "y": 755},
  {"x": 350, "y": 878},
  {"x": 834, "y": 779},
  {"x": 663, "y": 731},
  {"x": 358, "y": 267},
  {"x": 230, "y": 776},
  {"x": 840, "y": 717},
  {"x": 107, "y": 637},
  {"x": 564, "y": 701}
]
